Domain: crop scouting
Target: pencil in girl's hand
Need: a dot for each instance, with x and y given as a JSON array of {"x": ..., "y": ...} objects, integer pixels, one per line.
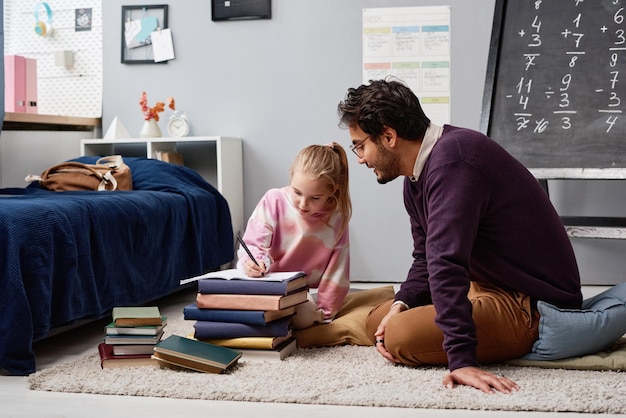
[{"x": 245, "y": 247}]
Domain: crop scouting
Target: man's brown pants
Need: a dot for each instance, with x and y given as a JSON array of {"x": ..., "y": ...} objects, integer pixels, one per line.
[{"x": 506, "y": 328}]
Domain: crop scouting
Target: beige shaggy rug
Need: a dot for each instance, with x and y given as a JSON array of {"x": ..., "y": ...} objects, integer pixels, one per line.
[{"x": 346, "y": 375}]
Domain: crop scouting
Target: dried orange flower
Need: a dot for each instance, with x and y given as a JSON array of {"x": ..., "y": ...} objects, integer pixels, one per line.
[{"x": 153, "y": 112}]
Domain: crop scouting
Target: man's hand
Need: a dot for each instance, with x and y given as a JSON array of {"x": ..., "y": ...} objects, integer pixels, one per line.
[
  {"x": 379, "y": 336},
  {"x": 480, "y": 379}
]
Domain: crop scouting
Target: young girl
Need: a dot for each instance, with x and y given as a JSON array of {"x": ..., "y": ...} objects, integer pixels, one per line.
[{"x": 304, "y": 227}]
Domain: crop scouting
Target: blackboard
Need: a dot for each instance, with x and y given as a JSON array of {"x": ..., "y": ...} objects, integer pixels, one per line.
[{"x": 555, "y": 92}]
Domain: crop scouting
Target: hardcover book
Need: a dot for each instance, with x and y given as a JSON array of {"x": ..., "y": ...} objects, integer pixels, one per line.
[
  {"x": 132, "y": 349},
  {"x": 179, "y": 363},
  {"x": 250, "y": 302},
  {"x": 234, "y": 281},
  {"x": 133, "y": 339},
  {"x": 212, "y": 330},
  {"x": 277, "y": 354},
  {"x": 195, "y": 355},
  {"x": 108, "y": 360},
  {"x": 111, "y": 329},
  {"x": 132, "y": 316},
  {"x": 261, "y": 343},
  {"x": 193, "y": 313}
]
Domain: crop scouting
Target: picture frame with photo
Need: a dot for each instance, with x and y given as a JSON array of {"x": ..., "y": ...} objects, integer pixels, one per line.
[
  {"x": 82, "y": 19},
  {"x": 138, "y": 22}
]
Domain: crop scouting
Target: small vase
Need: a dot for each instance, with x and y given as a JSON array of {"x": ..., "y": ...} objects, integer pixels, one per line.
[{"x": 150, "y": 129}]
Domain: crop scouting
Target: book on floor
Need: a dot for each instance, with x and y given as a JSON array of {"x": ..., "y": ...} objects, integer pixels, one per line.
[
  {"x": 132, "y": 349},
  {"x": 133, "y": 339},
  {"x": 263, "y": 343},
  {"x": 250, "y": 302},
  {"x": 196, "y": 355},
  {"x": 131, "y": 316},
  {"x": 212, "y": 330},
  {"x": 108, "y": 360},
  {"x": 276, "y": 354},
  {"x": 193, "y": 313},
  {"x": 111, "y": 329},
  {"x": 234, "y": 281}
]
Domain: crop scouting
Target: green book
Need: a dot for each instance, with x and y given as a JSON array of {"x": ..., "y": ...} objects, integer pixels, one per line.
[
  {"x": 196, "y": 355},
  {"x": 133, "y": 316}
]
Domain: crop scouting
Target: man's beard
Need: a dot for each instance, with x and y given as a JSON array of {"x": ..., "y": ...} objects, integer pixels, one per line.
[{"x": 387, "y": 166}]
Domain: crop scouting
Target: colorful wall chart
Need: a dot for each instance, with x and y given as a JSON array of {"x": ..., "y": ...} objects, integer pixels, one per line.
[{"x": 412, "y": 44}]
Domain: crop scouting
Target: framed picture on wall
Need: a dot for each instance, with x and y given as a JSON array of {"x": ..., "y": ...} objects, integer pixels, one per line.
[
  {"x": 240, "y": 9},
  {"x": 138, "y": 23}
]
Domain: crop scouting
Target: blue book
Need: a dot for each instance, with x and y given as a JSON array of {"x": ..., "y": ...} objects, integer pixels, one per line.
[
  {"x": 233, "y": 281},
  {"x": 209, "y": 330},
  {"x": 193, "y": 313}
]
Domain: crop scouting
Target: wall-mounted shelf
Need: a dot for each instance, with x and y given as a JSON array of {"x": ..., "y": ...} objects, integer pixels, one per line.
[{"x": 38, "y": 122}]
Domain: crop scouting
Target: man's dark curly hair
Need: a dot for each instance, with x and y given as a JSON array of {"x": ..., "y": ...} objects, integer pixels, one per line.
[{"x": 380, "y": 104}]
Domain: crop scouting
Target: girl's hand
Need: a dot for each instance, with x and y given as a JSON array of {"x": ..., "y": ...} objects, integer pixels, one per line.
[{"x": 252, "y": 270}]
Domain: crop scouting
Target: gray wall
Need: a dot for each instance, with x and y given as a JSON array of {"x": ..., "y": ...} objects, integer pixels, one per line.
[{"x": 276, "y": 83}]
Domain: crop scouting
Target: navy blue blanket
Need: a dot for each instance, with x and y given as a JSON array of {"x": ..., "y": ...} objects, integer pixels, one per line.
[{"x": 68, "y": 256}]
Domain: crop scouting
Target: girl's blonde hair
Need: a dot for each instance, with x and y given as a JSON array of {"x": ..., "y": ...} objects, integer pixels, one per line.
[{"x": 329, "y": 164}]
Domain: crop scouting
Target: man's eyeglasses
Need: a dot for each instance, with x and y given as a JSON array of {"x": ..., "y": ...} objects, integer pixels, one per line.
[{"x": 357, "y": 148}]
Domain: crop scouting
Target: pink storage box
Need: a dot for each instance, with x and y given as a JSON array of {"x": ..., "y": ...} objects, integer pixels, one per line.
[
  {"x": 31, "y": 85},
  {"x": 20, "y": 84},
  {"x": 14, "y": 83}
]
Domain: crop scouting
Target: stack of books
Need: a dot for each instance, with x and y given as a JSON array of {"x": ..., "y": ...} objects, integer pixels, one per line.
[
  {"x": 130, "y": 339},
  {"x": 250, "y": 315}
]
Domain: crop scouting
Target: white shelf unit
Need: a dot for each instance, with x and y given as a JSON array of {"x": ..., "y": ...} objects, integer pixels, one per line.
[{"x": 218, "y": 159}]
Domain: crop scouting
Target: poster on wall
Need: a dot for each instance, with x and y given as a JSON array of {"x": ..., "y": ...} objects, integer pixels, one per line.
[{"x": 413, "y": 45}]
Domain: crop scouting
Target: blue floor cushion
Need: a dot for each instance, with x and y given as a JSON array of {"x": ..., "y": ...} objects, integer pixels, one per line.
[{"x": 565, "y": 333}]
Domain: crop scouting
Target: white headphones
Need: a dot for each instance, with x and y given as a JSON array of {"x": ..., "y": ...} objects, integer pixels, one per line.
[{"x": 43, "y": 28}]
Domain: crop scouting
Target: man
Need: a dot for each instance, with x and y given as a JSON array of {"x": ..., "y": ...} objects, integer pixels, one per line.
[{"x": 487, "y": 242}]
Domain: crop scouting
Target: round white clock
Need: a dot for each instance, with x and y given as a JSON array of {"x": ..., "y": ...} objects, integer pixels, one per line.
[{"x": 178, "y": 125}]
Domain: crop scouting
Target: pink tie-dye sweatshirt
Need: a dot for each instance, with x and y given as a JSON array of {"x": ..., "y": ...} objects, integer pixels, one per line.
[{"x": 287, "y": 241}]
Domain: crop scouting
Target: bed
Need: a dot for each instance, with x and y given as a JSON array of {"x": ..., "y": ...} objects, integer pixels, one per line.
[{"x": 68, "y": 257}]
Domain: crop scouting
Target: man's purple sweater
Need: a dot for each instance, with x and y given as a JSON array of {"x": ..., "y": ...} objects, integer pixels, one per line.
[{"x": 478, "y": 214}]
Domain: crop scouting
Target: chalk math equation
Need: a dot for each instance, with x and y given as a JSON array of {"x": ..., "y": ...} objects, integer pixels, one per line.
[{"x": 560, "y": 90}]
